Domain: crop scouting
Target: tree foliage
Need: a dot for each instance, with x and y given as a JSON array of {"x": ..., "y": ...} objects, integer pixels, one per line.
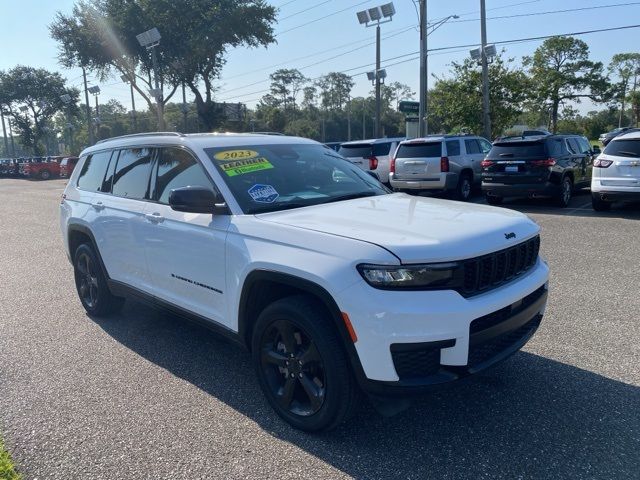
[
  {"x": 455, "y": 102},
  {"x": 31, "y": 97},
  {"x": 101, "y": 35},
  {"x": 560, "y": 71}
]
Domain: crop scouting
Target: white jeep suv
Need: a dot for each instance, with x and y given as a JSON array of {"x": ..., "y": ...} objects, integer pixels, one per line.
[{"x": 335, "y": 285}]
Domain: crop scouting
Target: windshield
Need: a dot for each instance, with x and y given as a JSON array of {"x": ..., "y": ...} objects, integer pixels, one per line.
[{"x": 266, "y": 178}]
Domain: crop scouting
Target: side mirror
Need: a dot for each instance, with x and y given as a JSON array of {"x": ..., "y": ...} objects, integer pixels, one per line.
[
  {"x": 194, "y": 199},
  {"x": 596, "y": 149}
]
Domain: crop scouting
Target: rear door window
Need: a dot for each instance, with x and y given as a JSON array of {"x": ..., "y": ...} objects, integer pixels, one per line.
[
  {"x": 453, "y": 148},
  {"x": 131, "y": 175},
  {"x": 624, "y": 148},
  {"x": 485, "y": 146},
  {"x": 573, "y": 146},
  {"x": 472, "y": 146},
  {"x": 420, "y": 150},
  {"x": 363, "y": 150},
  {"x": 93, "y": 172}
]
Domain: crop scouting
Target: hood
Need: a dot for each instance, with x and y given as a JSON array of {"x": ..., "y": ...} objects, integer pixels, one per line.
[{"x": 415, "y": 229}]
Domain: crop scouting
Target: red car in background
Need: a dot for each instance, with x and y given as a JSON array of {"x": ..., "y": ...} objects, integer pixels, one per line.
[
  {"x": 44, "y": 169},
  {"x": 67, "y": 165}
]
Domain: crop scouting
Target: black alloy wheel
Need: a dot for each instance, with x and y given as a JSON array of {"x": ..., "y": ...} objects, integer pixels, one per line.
[
  {"x": 566, "y": 189},
  {"x": 301, "y": 364},
  {"x": 91, "y": 283},
  {"x": 293, "y": 368}
]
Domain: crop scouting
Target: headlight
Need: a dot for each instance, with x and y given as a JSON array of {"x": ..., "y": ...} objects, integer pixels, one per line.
[{"x": 416, "y": 277}]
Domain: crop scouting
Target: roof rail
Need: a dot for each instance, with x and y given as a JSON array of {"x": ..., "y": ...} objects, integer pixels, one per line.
[{"x": 146, "y": 134}]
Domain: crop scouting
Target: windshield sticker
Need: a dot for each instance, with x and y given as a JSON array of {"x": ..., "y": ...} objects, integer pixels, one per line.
[
  {"x": 235, "y": 155},
  {"x": 263, "y": 193},
  {"x": 240, "y": 167}
]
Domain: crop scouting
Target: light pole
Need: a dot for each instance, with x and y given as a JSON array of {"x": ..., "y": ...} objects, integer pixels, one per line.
[
  {"x": 376, "y": 14},
  {"x": 484, "y": 56},
  {"x": 423, "y": 114},
  {"x": 126, "y": 79},
  {"x": 150, "y": 40},
  {"x": 178, "y": 66},
  {"x": 88, "y": 107},
  {"x": 4, "y": 133}
]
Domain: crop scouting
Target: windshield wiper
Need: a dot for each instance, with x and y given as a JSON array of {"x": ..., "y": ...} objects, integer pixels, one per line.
[
  {"x": 351, "y": 196},
  {"x": 278, "y": 206}
]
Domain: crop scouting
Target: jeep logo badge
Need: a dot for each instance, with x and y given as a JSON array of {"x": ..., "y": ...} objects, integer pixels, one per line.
[{"x": 509, "y": 235}]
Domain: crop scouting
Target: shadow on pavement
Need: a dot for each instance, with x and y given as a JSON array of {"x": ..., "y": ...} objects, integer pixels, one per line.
[{"x": 530, "y": 417}]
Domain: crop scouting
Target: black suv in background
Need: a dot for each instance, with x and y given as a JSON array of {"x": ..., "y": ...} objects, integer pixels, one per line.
[{"x": 546, "y": 166}]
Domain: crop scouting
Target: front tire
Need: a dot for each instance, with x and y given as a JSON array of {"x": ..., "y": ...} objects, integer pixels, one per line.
[
  {"x": 301, "y": 365},
  {"x": 598, "y": 204},
  {"x": 91, "y": 284},
  {"x": 45, "y": 175}
]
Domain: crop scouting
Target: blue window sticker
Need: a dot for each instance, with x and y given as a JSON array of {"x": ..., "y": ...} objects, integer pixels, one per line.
[{"x": 263, "y": 193}]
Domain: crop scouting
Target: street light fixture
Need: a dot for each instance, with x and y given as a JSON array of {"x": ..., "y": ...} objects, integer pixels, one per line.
[
  {"x": 95, "y": 90},
  {"x": 150, "y": 40},
  {"x": 66, "y": 98},
  {"x": 379, "y": 15}
]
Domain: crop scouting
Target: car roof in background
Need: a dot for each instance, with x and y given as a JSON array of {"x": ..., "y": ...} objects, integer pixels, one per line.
[
  {"x": 372, "y": 141},
  {"x": 631, "y": 134}
]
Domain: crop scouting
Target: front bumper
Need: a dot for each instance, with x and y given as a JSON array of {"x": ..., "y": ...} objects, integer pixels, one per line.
[
  {"x": 546, "y": 189},
  {"x": 435, "y": 337},
  {"x": 443, "y": 181}
]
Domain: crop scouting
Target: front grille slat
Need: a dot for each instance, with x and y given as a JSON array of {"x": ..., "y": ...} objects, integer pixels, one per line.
[{"x": 490, "y": 271}]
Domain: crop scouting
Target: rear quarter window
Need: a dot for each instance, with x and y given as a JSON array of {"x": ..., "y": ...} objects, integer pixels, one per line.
[
  {"x": 624, "y": 148},
  {"x": 420, "y": 150},
  {"x": 93, "y": 171}
]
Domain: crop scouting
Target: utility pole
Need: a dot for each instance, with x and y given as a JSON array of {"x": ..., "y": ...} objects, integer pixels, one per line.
[
  {"x": 86, "y": 103},
  {"x": 364, "y": 120},
  {"x": 423, "y": 125},
  {"x": 4, "y": 134},
  {"x": 133, "y": 109},
  {"x": 378, "y": 101},
  {"x": 13, "y": 146},
  {"x": 349, "y": 119},
  {"x": 486, "y": 118},
  {"x": 185, "y": 109}
]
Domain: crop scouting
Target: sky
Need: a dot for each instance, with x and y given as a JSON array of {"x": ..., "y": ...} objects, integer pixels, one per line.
[{"x": 320, "y": 36}]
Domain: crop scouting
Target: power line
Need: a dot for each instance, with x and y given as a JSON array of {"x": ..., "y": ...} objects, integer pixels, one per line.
[
  {"x": 453, "y": 47},
  {"x": 532, "y": 14},
  {"x": 305, "y": 10},
  {"x": 322, "y": 18}
]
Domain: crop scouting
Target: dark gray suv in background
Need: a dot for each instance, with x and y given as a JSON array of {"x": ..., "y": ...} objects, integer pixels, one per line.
[{"x": 546, "y": 166}]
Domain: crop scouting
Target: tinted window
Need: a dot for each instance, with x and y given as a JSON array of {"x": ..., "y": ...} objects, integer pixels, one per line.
[
  {"x": 93, "y": 170},
  {"x": 485, "y": 146},
  {"x": 131, "y": 176},
  {"x": 380, "y": 149},
  {"x": 453, "y": 148},
  {"x": 420, "y": 150},
  {"x": 362, "y": 150},
  {"x": 177, "y": 168},
  {"x": 556, "y": 147},
  {"x": 624, "y": 148},
  {"x": 519, "y": 149},
  {"x": 572, "y": 145},
  {"x": 583, "y": 143},
  {"x": 472, "y": 146}
]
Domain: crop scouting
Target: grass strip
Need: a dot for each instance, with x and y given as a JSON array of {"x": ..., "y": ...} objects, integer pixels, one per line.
[{"x": 7, "y": 468}]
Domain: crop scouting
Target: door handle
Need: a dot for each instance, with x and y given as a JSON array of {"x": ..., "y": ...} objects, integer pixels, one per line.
[
  {"x": 154, "y": 217},
  {"x": 98, "y": 206}
]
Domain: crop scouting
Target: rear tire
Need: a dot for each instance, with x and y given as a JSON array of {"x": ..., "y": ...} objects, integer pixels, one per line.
[
  {"x": 493, "y": 199},
  {"x": 464, "y": 188},
  {"x": 301, "y": 365},
  {"x": 91, "y": 284},
  {"x": 566, "y": 190},
  {"x": 45, "y": 175},
  {"x": 598, "y": 204}
]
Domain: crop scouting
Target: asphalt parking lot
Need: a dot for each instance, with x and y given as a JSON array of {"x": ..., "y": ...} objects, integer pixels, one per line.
[{"x": 146, "y": 395}]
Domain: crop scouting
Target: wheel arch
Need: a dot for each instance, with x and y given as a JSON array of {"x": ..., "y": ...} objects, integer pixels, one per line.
[
  {"x": 79, "y": 234},
  {"x": 262, "y": 287}
]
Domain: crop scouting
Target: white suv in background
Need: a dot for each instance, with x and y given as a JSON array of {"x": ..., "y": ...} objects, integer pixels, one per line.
[
  {"x": 439, "y": 163},
  {"x": 616, "y": 172},
  {"x": 335, "y": 285},
  {"x": 372, "y": 156}
]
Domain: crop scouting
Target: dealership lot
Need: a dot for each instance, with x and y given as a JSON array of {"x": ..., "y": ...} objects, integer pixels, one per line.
[{"x": 145, "y": 395}]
